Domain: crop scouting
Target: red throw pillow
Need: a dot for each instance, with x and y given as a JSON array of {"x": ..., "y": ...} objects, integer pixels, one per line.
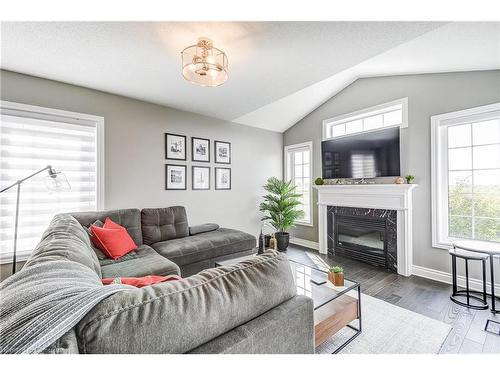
[
  {"x": 115, "y": 243},
  {"x": 139, "y": 282},
  {"x": 110, "y": 224}
]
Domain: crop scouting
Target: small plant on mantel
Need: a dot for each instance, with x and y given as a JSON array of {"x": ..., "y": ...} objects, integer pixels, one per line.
[
  {"x": 319, "y": 181},
  {"x": 336, "y": 275},
  {"x": 409, "y": 178}
]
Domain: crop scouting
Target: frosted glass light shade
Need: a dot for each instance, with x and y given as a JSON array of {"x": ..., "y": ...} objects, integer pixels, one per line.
[
  {"x": 204, "y": 65},
  {"x": 57, "y": 182}
]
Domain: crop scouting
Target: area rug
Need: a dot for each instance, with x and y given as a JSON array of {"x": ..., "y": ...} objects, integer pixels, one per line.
[{"x": 389, "y": 329}]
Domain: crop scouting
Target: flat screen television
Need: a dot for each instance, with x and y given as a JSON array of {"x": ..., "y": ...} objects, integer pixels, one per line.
[{"x": 365, "y": 155}]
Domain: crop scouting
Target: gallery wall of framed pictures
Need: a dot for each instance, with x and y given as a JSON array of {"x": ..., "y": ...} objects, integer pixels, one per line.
[{"x": 176, "y": 175}]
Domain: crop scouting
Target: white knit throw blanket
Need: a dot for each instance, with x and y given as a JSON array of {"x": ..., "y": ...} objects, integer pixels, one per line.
[{"x": 40, "y": 303}]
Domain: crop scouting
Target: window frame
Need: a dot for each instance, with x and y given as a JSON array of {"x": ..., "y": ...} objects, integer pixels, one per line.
[
  {"x": 367, "y": 112},
  {"x": 9, "y": 108},
  {"x": 296, "y": 147},
  {"x": 439, "y": 169}
]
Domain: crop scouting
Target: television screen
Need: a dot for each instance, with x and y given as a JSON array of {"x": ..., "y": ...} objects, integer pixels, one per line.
[{"x": 365, "y": 155}]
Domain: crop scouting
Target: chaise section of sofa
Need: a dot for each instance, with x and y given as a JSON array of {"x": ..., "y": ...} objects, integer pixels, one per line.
[{"x": 167, "y": 231}]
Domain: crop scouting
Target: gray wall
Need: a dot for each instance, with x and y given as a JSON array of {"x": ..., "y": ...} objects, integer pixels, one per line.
[
  {"x": 428, "y": 95},
  {"x": 134, "y": 151}
]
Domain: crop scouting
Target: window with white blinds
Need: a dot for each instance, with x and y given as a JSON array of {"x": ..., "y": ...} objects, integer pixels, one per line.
[{"x": 29, "y": 141}]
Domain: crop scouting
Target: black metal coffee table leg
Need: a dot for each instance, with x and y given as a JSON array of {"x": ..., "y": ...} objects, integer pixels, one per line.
[{"x": 356, "y": 329}]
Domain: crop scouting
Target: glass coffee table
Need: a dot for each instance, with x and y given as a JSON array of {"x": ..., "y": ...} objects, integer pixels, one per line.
[{"x": 335, "y": 307}]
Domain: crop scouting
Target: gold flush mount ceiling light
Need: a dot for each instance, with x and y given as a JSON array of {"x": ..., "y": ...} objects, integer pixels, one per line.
[{"x": 203, "y": 64}]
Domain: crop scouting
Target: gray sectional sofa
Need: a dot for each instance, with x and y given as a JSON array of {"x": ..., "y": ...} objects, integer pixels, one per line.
[
  {"x": 250, "y": 307},
  {"x": 165, "y": 244}
]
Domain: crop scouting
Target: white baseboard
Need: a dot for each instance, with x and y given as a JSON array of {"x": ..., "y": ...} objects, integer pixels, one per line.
[
  {"x": 306, "y": 243},
  {"x": 445, "y": 277}
]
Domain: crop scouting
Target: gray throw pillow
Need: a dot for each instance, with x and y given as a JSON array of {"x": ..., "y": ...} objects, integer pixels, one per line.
[
  {"x": 98, "y": 252},
  {"x": 197, "y": 229}
]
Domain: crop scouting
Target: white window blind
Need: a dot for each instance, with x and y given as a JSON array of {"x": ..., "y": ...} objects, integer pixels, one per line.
[
  {"x": 29, "y": 142},
  {"x": 298, "y": 169},
  {"x": 385, "y": 115}
]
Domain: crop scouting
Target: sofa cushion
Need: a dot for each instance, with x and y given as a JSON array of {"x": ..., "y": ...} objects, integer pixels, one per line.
[
  {"x": 65, "y": 239},
  {"x": 178, "y": 316},
  {"x": 222, "y": 241},
  {"x": 141, "y": 262},
  {"x": 161, "y": 224},
  {"x": 129, "y": 218}
]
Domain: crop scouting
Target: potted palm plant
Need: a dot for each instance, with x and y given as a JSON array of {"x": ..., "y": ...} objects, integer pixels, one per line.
[{"x": 280, "y": 208}]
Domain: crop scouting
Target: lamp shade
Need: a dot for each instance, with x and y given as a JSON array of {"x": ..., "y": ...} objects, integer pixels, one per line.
[
  {"x": 57, "y": 181},
  {"x": 204, "y": 65}
]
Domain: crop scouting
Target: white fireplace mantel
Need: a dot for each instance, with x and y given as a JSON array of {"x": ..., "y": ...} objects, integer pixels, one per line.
[{"x": 382, "y": 196}]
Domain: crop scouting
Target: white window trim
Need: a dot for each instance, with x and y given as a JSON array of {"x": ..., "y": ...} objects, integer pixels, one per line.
[
  {"x": 403, "y": 102},
  {"x": 439, "y": 176},
  {"x": 293, "y": 147},
  {"x": 50, "y": 114}
]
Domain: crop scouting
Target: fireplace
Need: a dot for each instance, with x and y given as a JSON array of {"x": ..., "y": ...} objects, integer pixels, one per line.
[
  {"x": 365, "y": 234},
  {"x": 393, "y": 201}
]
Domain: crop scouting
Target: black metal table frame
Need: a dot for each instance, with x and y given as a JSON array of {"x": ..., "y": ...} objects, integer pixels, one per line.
[
  {"x": 356, "y": 286},
  {"x": 492, "y": 276}
]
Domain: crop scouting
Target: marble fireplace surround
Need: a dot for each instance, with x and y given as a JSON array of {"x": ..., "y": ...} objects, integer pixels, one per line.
[{"x": 379, "y": 196}]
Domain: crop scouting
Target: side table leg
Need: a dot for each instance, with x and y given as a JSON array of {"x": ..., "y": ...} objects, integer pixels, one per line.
[{"x": 492, "y": 280}]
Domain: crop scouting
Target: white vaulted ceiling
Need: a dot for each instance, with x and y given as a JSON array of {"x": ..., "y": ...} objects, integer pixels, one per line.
[{"x": 278, "y": 72}]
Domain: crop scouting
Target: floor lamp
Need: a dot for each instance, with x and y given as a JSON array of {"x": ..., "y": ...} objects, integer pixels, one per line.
[{"x": 55, "y": 181}]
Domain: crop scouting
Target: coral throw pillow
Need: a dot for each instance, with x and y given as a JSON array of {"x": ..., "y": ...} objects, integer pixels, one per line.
[
  {"x": 112, "y": 239},
  {"x": 139, "y": 282}
]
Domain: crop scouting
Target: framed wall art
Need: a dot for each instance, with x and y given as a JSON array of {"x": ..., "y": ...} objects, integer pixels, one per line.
[
  {"x": 175, "y": 146},
  {"x": 200, "y": 149},
  {"x": 200, "y": 178},
  {"x": 175, "y": 177},
  {"x": 222, "y": 152},
  {"x": 222, "y": 178}
]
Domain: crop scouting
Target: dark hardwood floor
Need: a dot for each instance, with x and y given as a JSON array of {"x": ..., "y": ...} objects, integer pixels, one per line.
[{"x": 423, "y": 296}]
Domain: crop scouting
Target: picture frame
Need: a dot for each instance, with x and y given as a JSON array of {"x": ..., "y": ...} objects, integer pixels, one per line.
[
  {"x": 222, "y": 178},
  {"x": 222, "y": 152},
  {"x": 200, "y": 149},
  {"x": 200, "y": 177},
  {"x": 175, "y": 146},
  {"x": 175, "y": 177}
]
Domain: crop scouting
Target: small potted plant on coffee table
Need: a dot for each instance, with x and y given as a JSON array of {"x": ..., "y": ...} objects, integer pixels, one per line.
[{"x": 336, "y": 275}]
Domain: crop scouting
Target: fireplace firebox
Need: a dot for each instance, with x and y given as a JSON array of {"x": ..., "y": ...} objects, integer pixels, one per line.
[{"x": 368, "y": 235}]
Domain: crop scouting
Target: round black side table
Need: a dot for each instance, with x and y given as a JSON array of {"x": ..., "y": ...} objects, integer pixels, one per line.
[{"x": 473, "y": 301}]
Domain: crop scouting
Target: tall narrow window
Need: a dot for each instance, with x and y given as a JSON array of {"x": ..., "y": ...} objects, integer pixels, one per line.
[
  {"x": 298, "y": 168},
  {"x": 30, "y": 139},
  {"x": 466, "y": 175}
]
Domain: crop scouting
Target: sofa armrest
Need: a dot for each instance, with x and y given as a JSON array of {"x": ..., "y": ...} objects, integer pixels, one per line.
[
  {"x": 178, "y": 316},
  {"x": 202, "y": 228}
]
